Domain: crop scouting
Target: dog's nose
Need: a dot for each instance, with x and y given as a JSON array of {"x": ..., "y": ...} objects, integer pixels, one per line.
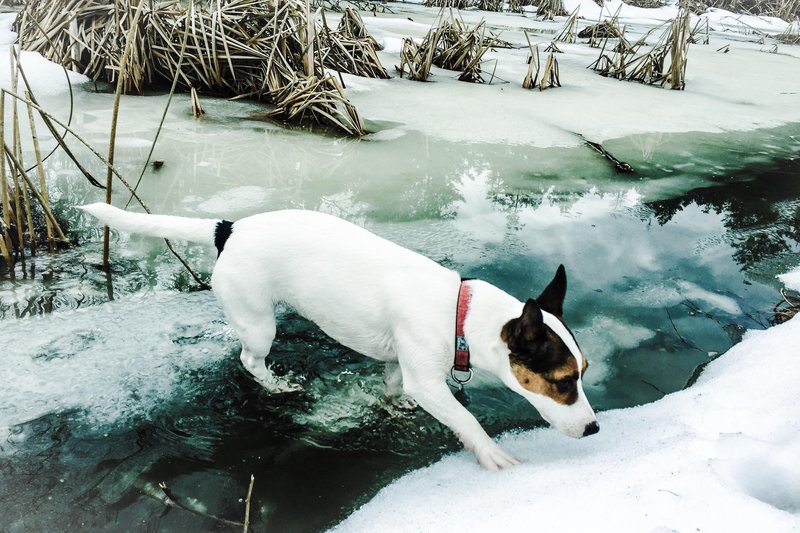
[{"x": 591, "y": 429}]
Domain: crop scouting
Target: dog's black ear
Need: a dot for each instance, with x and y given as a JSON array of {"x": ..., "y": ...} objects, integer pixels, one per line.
[
  {"x": 552, "y": 297},
  {"x": 521, "y": 332}
]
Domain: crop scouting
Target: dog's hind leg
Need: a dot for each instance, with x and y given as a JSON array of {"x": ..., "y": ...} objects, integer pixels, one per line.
[
  {"x": 393, "y": 382},
  {"x": 255, "y": 325},
  {"x": 256, "y": 338}
]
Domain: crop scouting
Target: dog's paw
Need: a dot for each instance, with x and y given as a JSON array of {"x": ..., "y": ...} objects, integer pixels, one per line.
[
  {"x": 398, "y": 406},
  {"x": 278, "y": 384},
  {"x": 404, "y": 403},
  {"x": 492, "y": 457}
]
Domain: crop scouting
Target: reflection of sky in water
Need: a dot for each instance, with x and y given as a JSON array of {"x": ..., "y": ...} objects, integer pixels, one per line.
[{"x": 665, "y": 268}]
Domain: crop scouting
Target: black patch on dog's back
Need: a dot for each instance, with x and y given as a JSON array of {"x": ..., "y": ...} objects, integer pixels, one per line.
[{"x": 221, "y": 234}]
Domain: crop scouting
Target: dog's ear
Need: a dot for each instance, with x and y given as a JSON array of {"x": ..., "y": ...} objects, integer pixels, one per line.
[
  {"x": 520, "y": 332},
  {"x": 552, "y": 297}
]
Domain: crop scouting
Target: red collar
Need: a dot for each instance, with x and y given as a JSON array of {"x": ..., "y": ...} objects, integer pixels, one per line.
[{"x": 461, "y": 362}]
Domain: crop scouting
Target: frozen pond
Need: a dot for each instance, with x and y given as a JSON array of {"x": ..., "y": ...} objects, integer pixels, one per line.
[
  {"x": 113, "y": 384},
  {"x": 102, "y": 400}
]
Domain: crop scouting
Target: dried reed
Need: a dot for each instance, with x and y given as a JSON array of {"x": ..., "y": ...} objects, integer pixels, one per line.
[
  {"x": 416, "y": 59},
  {"x": 24, "y": 201},
  {"x": 567, "y": 33},
  {"x": 351, "y": 48},
  {"x": 22, "y": 196},
  {"x": 243, "y": 48},
  {"x": 791, "y": 35},
  {"x": 787, "y": 308},
  {"x": 785, "y": 9},
  {"x": 452, "y": 45},
  {"x": 547, "y": 9},
  {"x": 549, "y": 73},
  {"x": 650, "y": 67}
]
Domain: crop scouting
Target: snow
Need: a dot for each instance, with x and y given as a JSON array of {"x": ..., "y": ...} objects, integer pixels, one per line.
[
  {"x": 791, "y": 279},
  {"x": 46, "y": 78},
  {"x": 722, "y": 455}
]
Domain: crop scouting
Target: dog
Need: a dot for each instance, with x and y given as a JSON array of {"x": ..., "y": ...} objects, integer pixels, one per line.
[{"x": 389, "y": 303}]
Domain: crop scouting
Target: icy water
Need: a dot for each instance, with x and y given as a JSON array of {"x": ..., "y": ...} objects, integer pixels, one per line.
[{"x": 114, "y": 384}]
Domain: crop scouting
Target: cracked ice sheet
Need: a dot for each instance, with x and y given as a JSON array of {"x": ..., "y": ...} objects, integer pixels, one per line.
[{"x": 93, "y": 359}]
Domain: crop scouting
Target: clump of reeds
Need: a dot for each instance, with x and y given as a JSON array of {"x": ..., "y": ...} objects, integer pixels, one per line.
[
  {"x": 351, "y": 48},
  {"x": 648, "y": 4},
  {"x": 450, "y": 44},
  {"x": 791, "y": 35},
  {"x": 415, "y": 61},
  {"x": 372, "y": 6},
  {"x": 537, "y": 76},
  {"x": 547, "y": 9},
  {"x": 449, "y": 4},
  {"x": 352, "y": 26},
  {"x": 664, "y": 62},
  {"x": 490, "y": 5},
  {"x": 783, "y": 9},
  {"x": 604, "y": 30},
  {"x": 27, "y": 217},
  {"x": 271, "y": 51}
]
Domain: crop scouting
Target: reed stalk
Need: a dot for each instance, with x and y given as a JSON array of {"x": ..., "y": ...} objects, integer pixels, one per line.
[
  {"x": 121, "y": 77},
  {"x": 42, "y": 182},
  {"x": 18, "y": 208},
  {"x": 6, "y": 236}
]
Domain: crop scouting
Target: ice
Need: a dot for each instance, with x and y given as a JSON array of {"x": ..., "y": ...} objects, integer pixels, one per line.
[
  {"x": 715, "y": 98},
  {"x": 91, "y": 360},
  {"x": 694, "y": 292},
  {"x": 719, "y": 456}
]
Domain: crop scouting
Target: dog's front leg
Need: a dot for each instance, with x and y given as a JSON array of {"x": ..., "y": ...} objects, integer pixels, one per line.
[{"x": 435, "y": 397}]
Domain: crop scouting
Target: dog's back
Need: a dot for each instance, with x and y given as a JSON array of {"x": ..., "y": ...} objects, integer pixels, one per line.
[{"x": 338, "y": 275}]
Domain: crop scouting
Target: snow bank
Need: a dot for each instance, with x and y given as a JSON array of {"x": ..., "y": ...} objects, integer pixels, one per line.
[
  {"x": 791, "y": 279},
  {"x": 46, "y": 78},
  {"x": 723, "y": 455}
]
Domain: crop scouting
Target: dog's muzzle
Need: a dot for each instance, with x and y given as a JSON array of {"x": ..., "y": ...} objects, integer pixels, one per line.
[{"x": 591, "y": 429}]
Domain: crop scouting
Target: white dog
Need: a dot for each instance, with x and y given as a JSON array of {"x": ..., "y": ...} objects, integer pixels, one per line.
[{"x": 391, "y": 304}]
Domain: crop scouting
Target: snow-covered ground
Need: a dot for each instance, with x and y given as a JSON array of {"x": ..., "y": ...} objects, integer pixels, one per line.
[
  {"x": 732, "y": 91},
  {"x": 723, "y": 455}
]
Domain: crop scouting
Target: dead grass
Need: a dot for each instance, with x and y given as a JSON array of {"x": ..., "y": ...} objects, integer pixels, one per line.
[
  {"x": 787, "y": 308},
  {"x": 452, "y": 45},
  {"x": 788, "y": 10},
  {"x": 660, "y": 64},
  {"x": 791, "y": 35},
  {"x": 270, "y": 51}
]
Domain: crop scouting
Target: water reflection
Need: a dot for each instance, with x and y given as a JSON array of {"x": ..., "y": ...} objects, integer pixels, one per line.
[{"x": 759, "y": 207}]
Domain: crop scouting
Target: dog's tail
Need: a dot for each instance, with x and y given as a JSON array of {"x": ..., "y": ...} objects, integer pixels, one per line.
[{"x": 203, "y": 230}]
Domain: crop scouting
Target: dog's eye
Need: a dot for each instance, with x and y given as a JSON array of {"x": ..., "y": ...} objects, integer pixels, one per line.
[{"x": 565, "y": 385}]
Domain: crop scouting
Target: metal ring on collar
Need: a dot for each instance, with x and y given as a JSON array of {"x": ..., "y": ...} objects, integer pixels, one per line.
[{"x": 458, "y": 380}]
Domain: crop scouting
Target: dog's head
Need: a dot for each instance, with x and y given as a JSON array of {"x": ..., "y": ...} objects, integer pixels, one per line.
[{"x": 546, "y": 364}]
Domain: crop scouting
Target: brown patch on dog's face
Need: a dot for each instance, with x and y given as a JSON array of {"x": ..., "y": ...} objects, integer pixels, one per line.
[
  {"x": 560, "y": 384},
  {"x": 540, "y": 359}
]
